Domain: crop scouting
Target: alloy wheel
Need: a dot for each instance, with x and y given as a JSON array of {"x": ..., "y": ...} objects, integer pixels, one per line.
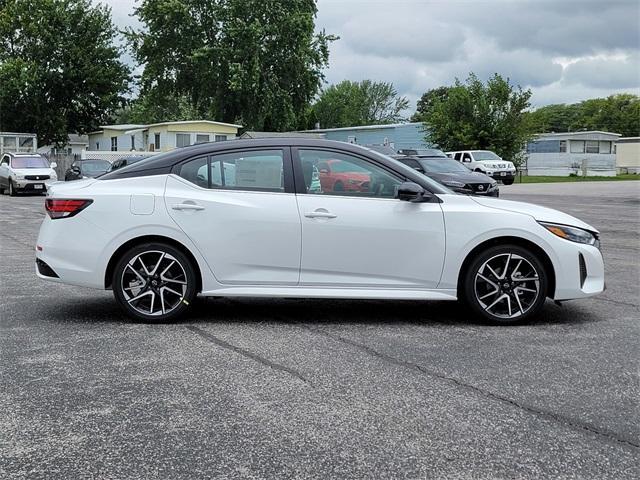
[
  {"x": 154, "y": 283},
  {"x": 507, "y": 285}
]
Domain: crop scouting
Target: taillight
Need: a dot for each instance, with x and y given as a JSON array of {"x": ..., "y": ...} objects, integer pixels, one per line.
[{"x": 64, "y": 208}]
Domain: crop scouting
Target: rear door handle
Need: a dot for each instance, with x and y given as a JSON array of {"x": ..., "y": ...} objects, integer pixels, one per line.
[
  {"x": 320, "y": 214},
  {"x": 187, "y": 206}
]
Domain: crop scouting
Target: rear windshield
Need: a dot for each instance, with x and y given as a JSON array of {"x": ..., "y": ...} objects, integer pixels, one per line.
[{"x": 29, "y": 162}]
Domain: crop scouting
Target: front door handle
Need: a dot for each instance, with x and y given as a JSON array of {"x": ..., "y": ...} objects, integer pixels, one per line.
[
  {"x": 187, "y": 206},
  {"x": 320, "y": 213}
]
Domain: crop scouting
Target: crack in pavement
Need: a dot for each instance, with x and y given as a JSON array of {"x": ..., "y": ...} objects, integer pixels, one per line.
[
  {"x": 486, "y": 393},
  {"x": 221, "y": 343}
]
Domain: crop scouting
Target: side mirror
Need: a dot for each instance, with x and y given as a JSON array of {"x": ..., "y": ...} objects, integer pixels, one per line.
[
  {"x": 53, "y": 165},
  {"x": 411, "y": 192}
]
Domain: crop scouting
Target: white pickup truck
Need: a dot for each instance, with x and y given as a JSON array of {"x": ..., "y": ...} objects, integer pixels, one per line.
[{"x": 487, "y": 162}]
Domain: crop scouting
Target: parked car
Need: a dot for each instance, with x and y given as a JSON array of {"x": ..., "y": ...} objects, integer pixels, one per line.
[
  {"x": 124, "y": 161},
  {"x": 453, "y": 175},
  {"x": 339, "y": 176},
  {"x": 163, "y": 238},
  {"x": 26, "y": 172},
  {"x": 422, "y": 152},
  {"x": 487, "y": 162},
  {"x": 385, "y": 150},
  {"x": 86, "y": 168}
]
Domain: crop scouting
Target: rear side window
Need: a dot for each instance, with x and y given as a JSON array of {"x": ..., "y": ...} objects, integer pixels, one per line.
[
  {"x": 255, "y": 170},
  {"x": 457, "y": 156}
]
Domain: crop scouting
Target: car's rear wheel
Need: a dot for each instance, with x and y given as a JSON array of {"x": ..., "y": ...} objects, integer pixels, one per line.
[
  {"x": 506, "y": 284},
  {"x": 1, "y": 190},
  {"x": 154, "y": 282}
]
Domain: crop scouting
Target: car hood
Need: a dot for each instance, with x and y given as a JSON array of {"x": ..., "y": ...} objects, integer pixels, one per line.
[
  {"x": 34, "y": 171},
  {"x": 542, "y": 214},
  {"x": 464, "y": 177}
]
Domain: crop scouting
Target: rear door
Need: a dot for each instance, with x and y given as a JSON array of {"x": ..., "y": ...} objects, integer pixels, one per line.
[{"x": 240, "y": 210}]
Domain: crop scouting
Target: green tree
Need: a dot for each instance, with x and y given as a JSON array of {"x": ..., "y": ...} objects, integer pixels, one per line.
[
  {"x": 427, "y": 101},
  {"x": 617, "y": 113},
  {"x": 349, "y": 104},
  {"x": 254, "y": 62},
  {"x": 474, "y": 115},
  {"x": 60, "y": 70}
]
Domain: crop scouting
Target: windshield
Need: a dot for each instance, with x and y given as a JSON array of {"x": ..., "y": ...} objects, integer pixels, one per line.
[
  {"x": 430, "y": 152},
  {"x": 485, "y": 155},
  {"x": 386, "y": 150},
  {"x": 29, "y": 162},
  {"x": 94, "y": 166},
  {"x": 446, "y": 165}
]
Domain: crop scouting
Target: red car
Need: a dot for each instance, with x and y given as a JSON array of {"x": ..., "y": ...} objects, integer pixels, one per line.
[{"x": 339, "y": 176}]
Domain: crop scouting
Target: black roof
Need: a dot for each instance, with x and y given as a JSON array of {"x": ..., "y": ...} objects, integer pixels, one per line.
[{"x": 163, "y": 163}]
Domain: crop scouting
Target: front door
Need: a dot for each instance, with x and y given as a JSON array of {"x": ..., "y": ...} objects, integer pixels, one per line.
[
  {"x": 237, "y": 211},
  {"x": 363, "y": 236}
]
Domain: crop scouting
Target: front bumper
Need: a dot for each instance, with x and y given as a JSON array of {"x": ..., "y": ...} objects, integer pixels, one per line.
[
  {"x": 33, "y": 185},
  {"x": 502, "y": 175},
  {"x": 580, "y": 274}
]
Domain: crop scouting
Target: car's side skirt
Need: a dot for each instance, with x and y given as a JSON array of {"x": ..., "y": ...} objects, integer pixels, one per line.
[{"x": 342, "y": 292}]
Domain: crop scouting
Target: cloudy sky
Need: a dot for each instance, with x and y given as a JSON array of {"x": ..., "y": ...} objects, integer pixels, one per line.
[{"x": 564, "y": 50}]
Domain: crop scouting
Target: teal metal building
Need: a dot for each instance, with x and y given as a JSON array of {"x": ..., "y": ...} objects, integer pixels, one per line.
[{"x": 397, "y": 136}]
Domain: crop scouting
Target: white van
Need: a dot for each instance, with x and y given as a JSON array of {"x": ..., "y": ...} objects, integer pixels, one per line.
[{"x": 487, "y": 162}]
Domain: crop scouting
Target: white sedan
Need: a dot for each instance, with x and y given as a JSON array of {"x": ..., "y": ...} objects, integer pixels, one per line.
[{"x": 242, "y": 218}]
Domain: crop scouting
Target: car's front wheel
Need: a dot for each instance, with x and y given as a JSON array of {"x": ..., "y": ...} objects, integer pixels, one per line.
[
  {"x": 506, "y": 284},
  {"x": 154, "y": 282},
  {"x": 12, "y": 189},
  {"x": 507, "y": 181}
]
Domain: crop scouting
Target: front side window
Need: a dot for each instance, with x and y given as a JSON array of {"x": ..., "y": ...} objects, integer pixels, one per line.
[
  {"x": 256, "y": 170},
  {"x": 346, "y": 175},
  {"x": 466, "y": 157}
]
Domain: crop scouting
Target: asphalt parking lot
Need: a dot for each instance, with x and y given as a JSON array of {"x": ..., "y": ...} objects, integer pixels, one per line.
[{"x": 259, "y": 388}]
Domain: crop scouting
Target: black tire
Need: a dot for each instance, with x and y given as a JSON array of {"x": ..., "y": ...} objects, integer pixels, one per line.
[
  {"x": 479, "y": 296},
  {"x": 2, "y": 190},
  {"x": 338, "y": 187},
  {"x": 508, "y": 181},
  {"x": 12, "y": 189},
  {"x": 159, "y": 286}
]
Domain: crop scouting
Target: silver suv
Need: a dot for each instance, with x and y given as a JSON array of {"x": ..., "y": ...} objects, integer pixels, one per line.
[{"x": 25, "y": 172}]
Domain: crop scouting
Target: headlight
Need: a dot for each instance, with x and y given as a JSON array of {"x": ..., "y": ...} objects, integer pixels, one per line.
[
  {"x": 572, "y": 234},
  {"x": 453, "y": 183},
  {"x": 488, "y": 172},
  {"x": 19, "y": 177},
  {"x": 493, "y": 185}
]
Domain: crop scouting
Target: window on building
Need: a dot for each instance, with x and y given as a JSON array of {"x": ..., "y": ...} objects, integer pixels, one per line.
[
  {"x": 563, "y": 146},
  {"x": 351, "y": 139},
  {"x": 183, "y": 140},
  {"x": 114, "y": 144},
  {"x": 605, "y": 147},
  {"x": 156, "y": 141},
  {"x": 202, "y": 138},
  {"x": 577, "y": 146},
  {"x": 97, "y": 145},
  {"x": 221, "y": 138},
  {"x": 26, "y": 144},
  {"x": 133, "y": 142},
  {"x": 592, "y": 146}
]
